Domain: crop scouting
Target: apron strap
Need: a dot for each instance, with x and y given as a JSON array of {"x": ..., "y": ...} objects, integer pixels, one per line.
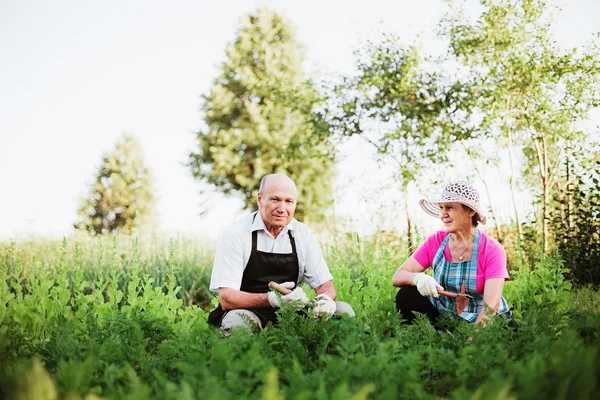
[
  {"x": 292, "y": 242},
  {"x": 254, "y": 240}
]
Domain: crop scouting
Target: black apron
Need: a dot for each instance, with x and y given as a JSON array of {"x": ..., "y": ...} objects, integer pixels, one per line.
[{"x": 261, "y": 269}]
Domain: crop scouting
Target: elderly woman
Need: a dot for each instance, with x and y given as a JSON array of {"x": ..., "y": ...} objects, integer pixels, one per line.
[{"x": 459, "y": 254}]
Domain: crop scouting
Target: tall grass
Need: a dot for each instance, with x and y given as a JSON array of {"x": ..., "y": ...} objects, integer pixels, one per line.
[
  {"x": 189, "y": 259},
  {"x": 120, "y": 318}
]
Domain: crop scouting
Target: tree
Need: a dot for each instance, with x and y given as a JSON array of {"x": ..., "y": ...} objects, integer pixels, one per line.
[
  {"x": 503, "y": 79},
  {"x": 576, "y": 221},
  {"x": 121, "y": 201},
  {"x": 528, "y": 90},
  {"x": 261, "y": 118},
  {"x": 402, "y": 108},
  {"x": 474, "y": 156}
]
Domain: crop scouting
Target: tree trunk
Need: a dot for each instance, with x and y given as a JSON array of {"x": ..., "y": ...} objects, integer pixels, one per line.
[
  {"x": 499, "y": 235},
  {"x": 545, "y": 221},
  {"x": 409, "y": 236},
  {"x": 569, "y": 192},
  {"x": 512, "y": 190},
  {"x": 542, "y": 152}
]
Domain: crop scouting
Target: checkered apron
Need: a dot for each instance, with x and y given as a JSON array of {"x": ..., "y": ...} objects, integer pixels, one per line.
[{"x": 451, "y": 276}]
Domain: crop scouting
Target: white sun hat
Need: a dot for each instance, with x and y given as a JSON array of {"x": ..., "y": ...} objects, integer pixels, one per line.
[{"x": 455, "y": 192}]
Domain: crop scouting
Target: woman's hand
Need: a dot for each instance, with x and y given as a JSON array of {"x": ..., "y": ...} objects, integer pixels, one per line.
[
  {"x": 427, "y": 285},
  {"x": 405, "y": 274}
]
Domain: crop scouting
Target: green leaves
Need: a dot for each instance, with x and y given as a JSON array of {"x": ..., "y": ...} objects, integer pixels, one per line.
[
  {"x": 396, "y": 104},
  {"x": 576, "y": 214},
  {"x": 261, "y": 117},
  {"x": 121, "y": 201},
  {"x": 527, "y": 86},
  {"x": 35, "y": 383},
  {"x": 125, "y": 333},
  {"x": 503, "y": 80}
]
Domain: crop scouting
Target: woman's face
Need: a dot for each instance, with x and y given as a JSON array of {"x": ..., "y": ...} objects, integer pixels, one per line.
[{"x": 455, "y": 217}]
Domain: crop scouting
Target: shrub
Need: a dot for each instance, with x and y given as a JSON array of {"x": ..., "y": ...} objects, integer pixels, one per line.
[{"x": 577, "y": 226}]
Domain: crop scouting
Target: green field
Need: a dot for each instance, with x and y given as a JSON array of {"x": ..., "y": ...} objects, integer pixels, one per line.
[{"x": 89, "y": 318}]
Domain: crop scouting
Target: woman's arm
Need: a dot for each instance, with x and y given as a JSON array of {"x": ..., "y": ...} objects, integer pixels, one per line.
[
  {"x": 492, "y": 292},
  {"x": 406, "y": 272}
]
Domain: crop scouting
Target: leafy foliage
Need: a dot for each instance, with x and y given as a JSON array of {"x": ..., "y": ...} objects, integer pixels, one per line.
[
  {"x": 526, "y": 88},
  {"x": 398, "y": 105},
  {"x": 503, "y": 80},
  {"x": 121, "y": 201},
  {"x": 94, "y": 262},
  {"x": 530, "y": 286},
  {"x": 576, "y": 219},
  {"x": 67, "y": 333},
  {"x": 261, "y": 119}
]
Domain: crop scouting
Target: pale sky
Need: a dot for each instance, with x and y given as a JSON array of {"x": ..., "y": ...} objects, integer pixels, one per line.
[{"x": 75, "y": 75}]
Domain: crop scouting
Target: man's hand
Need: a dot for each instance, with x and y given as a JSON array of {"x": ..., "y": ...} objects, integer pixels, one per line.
[
  {"x": 324, "y": 306},
  {"x": 426, "y": 285},
  {"x": 295, "y": 295}
]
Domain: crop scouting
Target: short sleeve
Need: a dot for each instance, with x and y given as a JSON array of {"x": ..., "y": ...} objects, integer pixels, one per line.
[
  {"x": 426, "y": 251},
  {"x": 228, "y": 267},
  {"x": 316, "y": 271},
  {"x": 495, "y": 261}
]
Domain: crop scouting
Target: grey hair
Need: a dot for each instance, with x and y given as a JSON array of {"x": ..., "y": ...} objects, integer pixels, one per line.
[{"x": 263, "y": 182}]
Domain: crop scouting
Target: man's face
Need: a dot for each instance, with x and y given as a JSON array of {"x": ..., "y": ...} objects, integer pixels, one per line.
[{"x": 278, "y": 203}]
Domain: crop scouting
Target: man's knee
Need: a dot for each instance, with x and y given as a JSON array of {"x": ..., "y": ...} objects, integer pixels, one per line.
[
  {"x": 240, "y": 318},
  {"x": 344, "y": 308}
]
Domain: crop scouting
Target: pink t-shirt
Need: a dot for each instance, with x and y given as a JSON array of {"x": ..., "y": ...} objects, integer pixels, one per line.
[{"x": 491, "y": 257}]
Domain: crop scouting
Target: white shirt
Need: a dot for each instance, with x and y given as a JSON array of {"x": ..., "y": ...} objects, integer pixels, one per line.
[{"x": 233, "y": 252}]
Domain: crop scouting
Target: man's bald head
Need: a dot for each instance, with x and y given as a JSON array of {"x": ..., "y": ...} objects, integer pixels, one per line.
[{"x": 276, "y": 180}]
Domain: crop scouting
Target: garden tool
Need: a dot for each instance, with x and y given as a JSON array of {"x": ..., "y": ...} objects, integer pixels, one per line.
[
  {"x": 462, "y": 298},
  {"x": 284, "y": 291},
  {"x": 336, "y": 319},
  {"x": 281, "y": 289}
]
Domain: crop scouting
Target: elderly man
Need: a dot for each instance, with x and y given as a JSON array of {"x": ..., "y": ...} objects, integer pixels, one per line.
[{"x": 269, "y": 245}]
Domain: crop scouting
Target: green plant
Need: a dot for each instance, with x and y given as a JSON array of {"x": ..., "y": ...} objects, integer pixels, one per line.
[
  {"x": 125, "y": 332},
  {"x": 541, "y": 287},
  {"x": 577, "y": 221}
]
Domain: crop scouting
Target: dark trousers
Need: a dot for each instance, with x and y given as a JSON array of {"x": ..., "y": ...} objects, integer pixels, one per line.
[{"x": 409, "y": 299}]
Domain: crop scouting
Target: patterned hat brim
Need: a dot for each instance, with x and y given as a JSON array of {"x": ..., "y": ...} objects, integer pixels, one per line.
[{"x": 433, "y": 208}]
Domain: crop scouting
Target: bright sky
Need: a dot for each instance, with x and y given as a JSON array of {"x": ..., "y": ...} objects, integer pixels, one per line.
[{"x": 75, "y": 75}]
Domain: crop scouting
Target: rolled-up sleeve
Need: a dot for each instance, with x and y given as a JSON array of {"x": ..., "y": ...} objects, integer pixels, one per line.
[
  {"x": 316, "y": 271},
  {"x": 228, "y": 267}
]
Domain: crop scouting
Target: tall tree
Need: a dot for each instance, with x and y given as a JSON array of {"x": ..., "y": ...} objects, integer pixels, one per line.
[
  {"x": 121, "y": 200},
  {"x": 528, "y": 90},
  {"x": 399, "y": 106},
  {"x": 576, "y": 213},
  {"x": 474, "y": 156},
  {"x": 261, "y": 118},
  {"x": 503, "y": 78}
]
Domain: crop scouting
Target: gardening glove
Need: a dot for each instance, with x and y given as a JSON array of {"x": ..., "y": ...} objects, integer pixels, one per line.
[
  {"x": 276, "y": 300},
  {"x": 324, "y": 306},
  {"x": 426, "y": 285}
]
